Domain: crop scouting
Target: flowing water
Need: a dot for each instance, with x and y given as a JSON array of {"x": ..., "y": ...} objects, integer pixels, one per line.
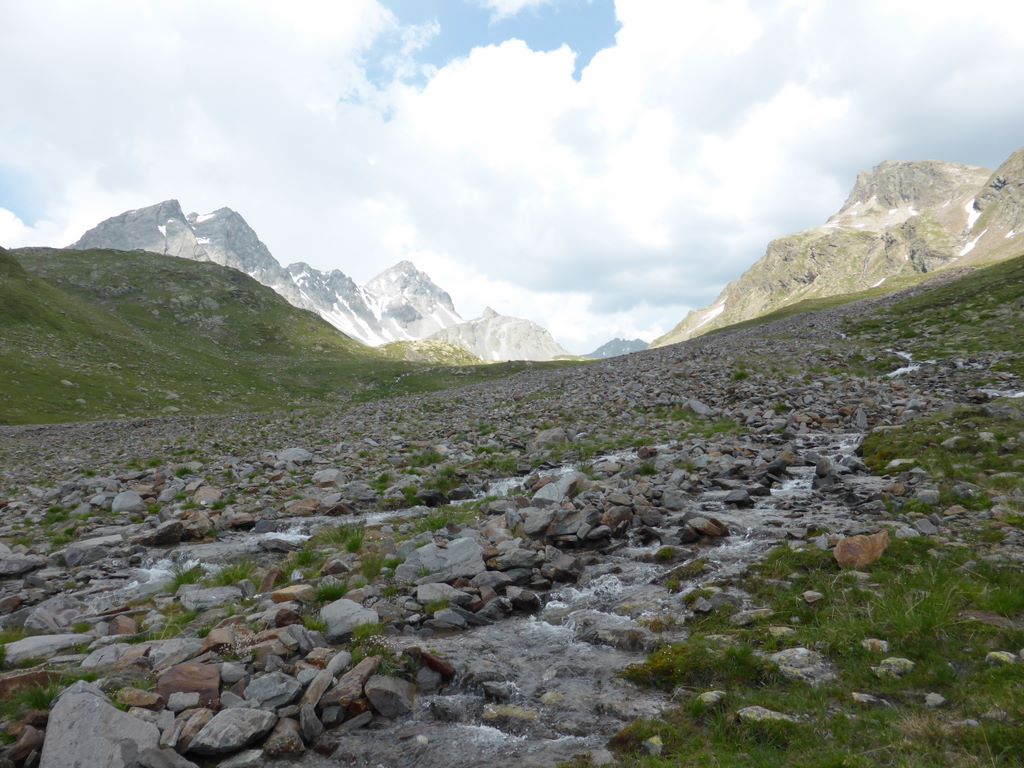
[{"x": 537, "y": 690}]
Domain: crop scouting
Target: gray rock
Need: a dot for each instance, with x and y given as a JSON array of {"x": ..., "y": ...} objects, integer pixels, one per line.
[
  {"x": 162, "y": 758},
  {"x": 564, "y": 487},
  {"x": 272, "y": 691},
  {"x": 179, "y": 701},
  {"x": 128, "y": 501},
  {"x": 295, "y": 456},
  {"x": 231, "y": 730},
  {"x": 250, "y": 758},
  {"x": 342, "y": 616},
  {"x": 429, "y": 593},
  {"x": 90, "y": 550},
  {"x": 390, "y": 696},
  {"x": 85, "y": 731},
  {"x": 41, "y": 647},
  {"x": 462, "y": 557},
  {"x": 212, "y": 597},
  {"x": 16, "y": 565},
  {"x": 804, "y": 665}
]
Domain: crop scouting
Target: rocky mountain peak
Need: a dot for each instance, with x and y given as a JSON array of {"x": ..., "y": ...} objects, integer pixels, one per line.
[{"x": 919, "y": 183}]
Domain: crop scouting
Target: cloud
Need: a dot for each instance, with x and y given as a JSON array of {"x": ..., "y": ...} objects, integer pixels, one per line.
[
  {"x": 601, "y": 205},
  {"x": 503, "y": 9}
]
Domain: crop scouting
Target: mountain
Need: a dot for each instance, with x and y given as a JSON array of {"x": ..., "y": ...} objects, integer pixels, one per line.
[
  {"x": 499, "y": 337},
  {"x": 402, "y": 303},
  {"x": 901, "y": 218},
  {"x": 617, "y": 347}
]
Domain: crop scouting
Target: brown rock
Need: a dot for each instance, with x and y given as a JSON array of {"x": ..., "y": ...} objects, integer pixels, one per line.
[
  {"x": 303, "y": 508},
  {"x": 15, "y": 682},
  {"x": 136, "y": 697},
  {"x": 350, "y": 686},
  {"x": 203, "y": 679},
  {"x": 192, "y": 722},
  {"x": 286, "y": 617},
  {"x": 285, "y": 739},
  {"x": 269, "y": 580},
  {"x": 123, "y": 625},
  {"x": 860, "y": 551},
  {"x": 303, "y": 593},
  {"x": 29, "y": 740},
  {"x": 219, "y": 637}
]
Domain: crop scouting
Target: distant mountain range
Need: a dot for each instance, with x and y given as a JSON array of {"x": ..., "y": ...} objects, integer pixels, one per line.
[
  {"x": 617, "y": 347},
  {"x": 499, "y": 337},
  {"x": 902, "y": 218},
  {"x": 402, "y": 303}
]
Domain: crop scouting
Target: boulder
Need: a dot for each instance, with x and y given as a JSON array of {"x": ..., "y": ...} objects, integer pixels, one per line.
[
  {"x": 272, "y": 691},
  {"x": 390, "y": 696},
  {"x": 41, "y": 647},
  {"x": 432, "y": 563},
  {"x": 127, "y": 501},
  {"x": 16, "y": 565},
  {"x": 342, "y": 616},
  {"x": 564, "y": 487},
  {"x": 231, "y": 730},
  {"x": 85, "y": 731},
  {"x": 858, "y": 552},
  {"x": 295, "y": 456},
  {"x": 212, "y": 597},
  {"x": 202, "y": 679}
]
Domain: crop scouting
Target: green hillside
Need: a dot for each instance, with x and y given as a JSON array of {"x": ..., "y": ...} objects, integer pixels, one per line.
[{"x": 99, "y": 334}]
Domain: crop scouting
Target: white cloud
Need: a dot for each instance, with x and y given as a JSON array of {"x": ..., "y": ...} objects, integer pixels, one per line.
[
  {"x": 599, "y": 206},
  {"x": 503, "y": 9}
]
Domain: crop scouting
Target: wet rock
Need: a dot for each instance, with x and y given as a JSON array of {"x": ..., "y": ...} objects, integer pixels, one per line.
[
  {"x": 564, "y": 487},
  {"x": 858, "y": 552},
  {"x": 390, "y": 696},
  {"x": 231, "y": 730},
  {"x": 342, "y": 616},
  {"x": 85, "y": 731}
]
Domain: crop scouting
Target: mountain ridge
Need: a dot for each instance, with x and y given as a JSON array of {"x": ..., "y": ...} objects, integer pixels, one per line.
[{"x": 900, "y": 218}]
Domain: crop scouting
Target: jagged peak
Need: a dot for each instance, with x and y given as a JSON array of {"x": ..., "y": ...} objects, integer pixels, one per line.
[
  {"x": 488, "y": 314},
  {"x": 897, "y": 183}
]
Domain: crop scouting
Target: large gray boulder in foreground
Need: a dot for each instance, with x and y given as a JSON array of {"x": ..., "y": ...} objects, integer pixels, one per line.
[{"x": 85, "y": 731}]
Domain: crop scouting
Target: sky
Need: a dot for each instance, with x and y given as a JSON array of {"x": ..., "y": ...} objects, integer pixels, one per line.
[{"x": 600, "y": 167}]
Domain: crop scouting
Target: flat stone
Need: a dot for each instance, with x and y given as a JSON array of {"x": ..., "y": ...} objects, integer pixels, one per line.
[
  {"x": 231, "y": 730},
  {"x": 762, "y": 714},
  {"x": 41, "y": 647},
  {"x": 302, "y": 593},
  {"x": 16, "y": 565},
  {"x": 212, "y": 597},
  {"x": 432, "y": 563},
  {"x": 295, "y": 456},
  {"x": 429, "y": 593},
  {"x": 84, "y": 731}
]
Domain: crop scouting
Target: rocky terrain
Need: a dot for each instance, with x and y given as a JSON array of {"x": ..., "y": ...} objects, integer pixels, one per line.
[
  {"x": 901, "y": 221},
  {"x": 798, "y": 543}
]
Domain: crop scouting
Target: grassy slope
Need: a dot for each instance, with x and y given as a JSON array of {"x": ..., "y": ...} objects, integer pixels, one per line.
[
  {"x": 943, "y": 605},
  {"x": 134, "y": 333}
]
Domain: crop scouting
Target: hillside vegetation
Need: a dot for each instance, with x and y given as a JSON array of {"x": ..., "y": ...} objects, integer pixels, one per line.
[{"x": 100, "y": 333}]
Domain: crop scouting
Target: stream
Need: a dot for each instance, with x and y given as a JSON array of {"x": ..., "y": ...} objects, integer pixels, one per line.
[{"x": 540, "y": 689}]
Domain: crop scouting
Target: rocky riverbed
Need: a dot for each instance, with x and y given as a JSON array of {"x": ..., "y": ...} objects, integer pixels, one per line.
[{"x": 453, "y": 579}]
